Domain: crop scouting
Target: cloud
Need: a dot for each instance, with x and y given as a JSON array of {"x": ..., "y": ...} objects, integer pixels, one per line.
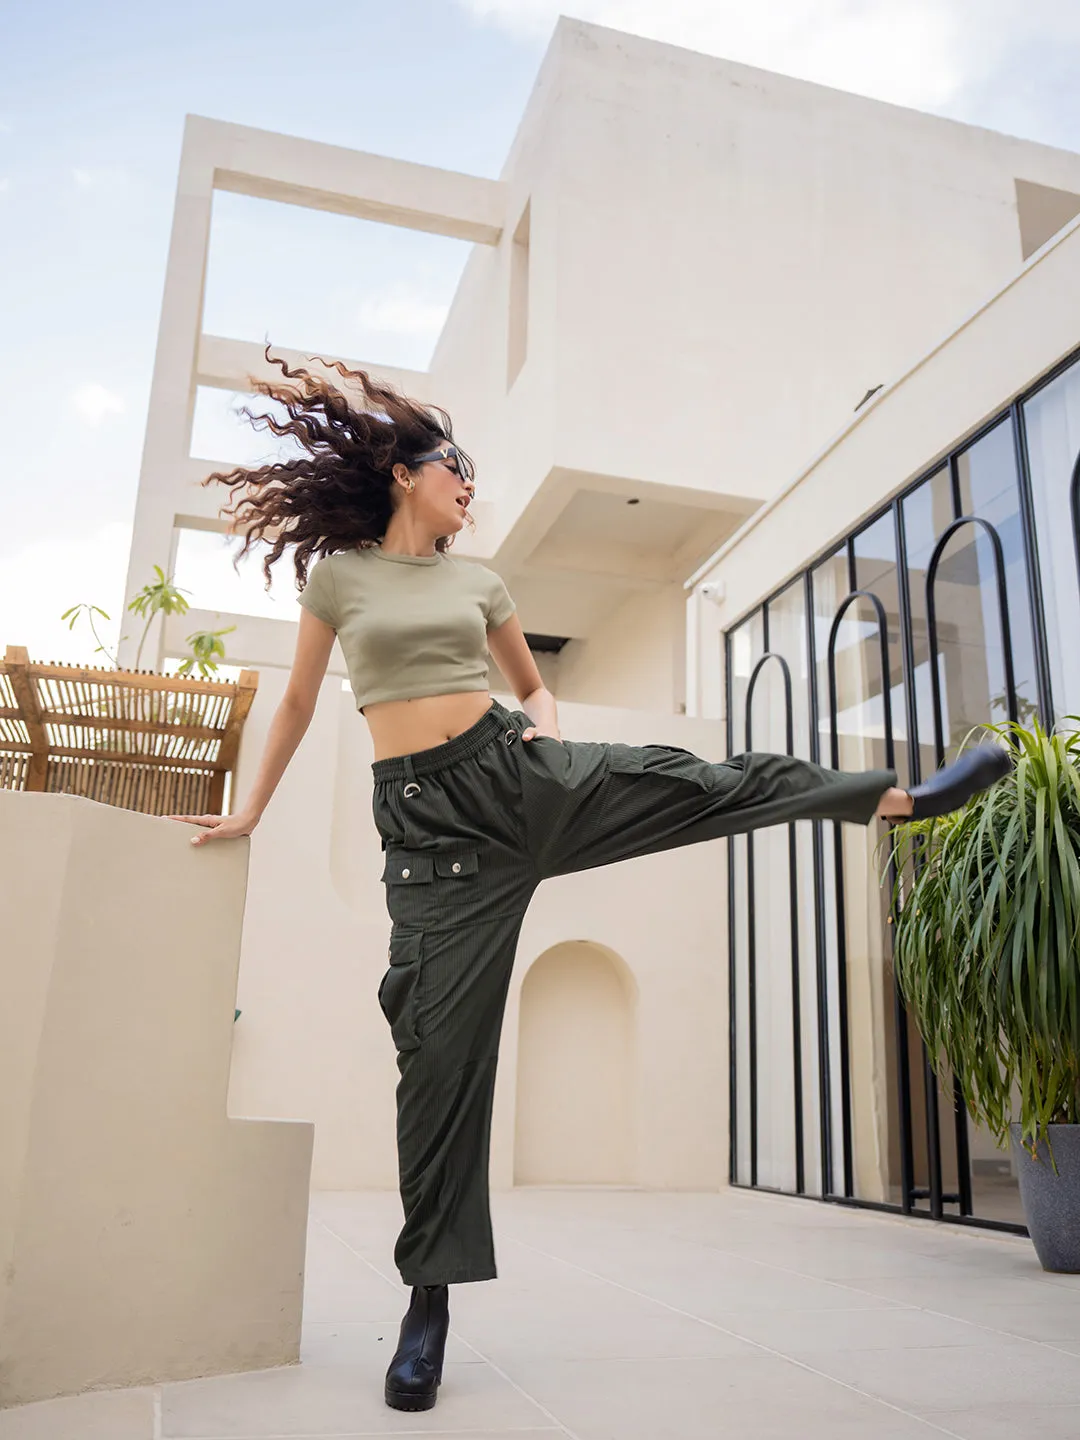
[
  {"x": 93, "y": 403},
  {"x": 921, "y": 53},
  {"x": 401, "y": 310}
]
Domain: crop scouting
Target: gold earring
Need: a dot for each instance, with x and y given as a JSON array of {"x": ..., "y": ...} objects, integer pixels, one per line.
[{"x": 411, "y": 486}]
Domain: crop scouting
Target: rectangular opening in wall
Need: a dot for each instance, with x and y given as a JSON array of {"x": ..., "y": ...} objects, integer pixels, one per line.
[
  {"x": 221, "y": 434},
  {"x": 518, "y": 334},
  {"x": 351, "y": 288},
  {"x": 204, "y": 568}
]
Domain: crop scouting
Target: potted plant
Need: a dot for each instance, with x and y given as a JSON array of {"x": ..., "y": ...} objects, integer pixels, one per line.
[{"x": 987, "y": 917}]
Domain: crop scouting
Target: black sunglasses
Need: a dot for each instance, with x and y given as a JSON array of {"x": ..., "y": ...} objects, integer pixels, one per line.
[{"x": 445, "y": 453}]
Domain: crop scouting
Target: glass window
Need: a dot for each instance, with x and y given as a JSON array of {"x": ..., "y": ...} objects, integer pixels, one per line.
[
  {"x": 823, "y": 949},
  {"x": 990, "y": 489},
  {"x": 1052, "y": 423},
  {"x": 927, "y": 512}
]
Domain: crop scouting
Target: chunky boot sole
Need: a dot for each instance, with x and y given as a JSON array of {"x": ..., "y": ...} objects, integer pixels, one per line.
[{"x": 398, "y": 1400}]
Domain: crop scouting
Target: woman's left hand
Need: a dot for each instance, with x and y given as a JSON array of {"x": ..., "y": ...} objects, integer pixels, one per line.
[{"x": 534, "y": 730}]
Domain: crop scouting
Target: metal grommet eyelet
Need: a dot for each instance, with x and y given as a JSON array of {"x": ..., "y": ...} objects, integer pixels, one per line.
[
  {"x": 510, "y": 736},
  {"x": 411, "y": 789}
]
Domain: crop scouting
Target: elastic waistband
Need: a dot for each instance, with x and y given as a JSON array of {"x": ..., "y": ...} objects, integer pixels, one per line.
[{"x": 492, "y": 725}]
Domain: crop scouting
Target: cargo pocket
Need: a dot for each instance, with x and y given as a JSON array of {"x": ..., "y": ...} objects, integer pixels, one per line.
[
  {"x": 397, "y": 990},
  {"x": 625, "y": 759},
  {"x": 667, "y": 761},
  {"x": 679, "y": 764},
  {"x": 424, "y": 886},
  {"x": 457, "y": 865}
]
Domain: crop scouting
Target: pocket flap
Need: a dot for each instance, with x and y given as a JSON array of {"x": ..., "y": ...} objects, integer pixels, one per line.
[
  {"x": 405, "y": 947},
  {"x": 624, "y": 758},
  {"x": 456, "y": 864},
  {"x": 405, "y": 868}
]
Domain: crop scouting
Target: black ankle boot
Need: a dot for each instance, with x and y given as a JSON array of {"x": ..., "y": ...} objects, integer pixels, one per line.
[
  {"x": 955, "y": 784},
  {"x": 412, "y": 1380}
]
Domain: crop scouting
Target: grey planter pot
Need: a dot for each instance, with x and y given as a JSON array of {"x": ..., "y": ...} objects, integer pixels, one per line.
[{"x": 1052, "y": 1202}]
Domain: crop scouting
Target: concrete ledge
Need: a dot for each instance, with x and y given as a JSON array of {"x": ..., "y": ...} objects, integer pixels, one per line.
[{"x": 144, "y": 1235}]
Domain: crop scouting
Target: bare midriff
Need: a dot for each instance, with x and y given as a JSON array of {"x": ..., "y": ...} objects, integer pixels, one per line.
[{"x": 401, "y": 727}]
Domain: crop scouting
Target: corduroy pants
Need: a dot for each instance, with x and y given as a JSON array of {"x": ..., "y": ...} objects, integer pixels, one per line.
[{"x": 469, "y": 829}]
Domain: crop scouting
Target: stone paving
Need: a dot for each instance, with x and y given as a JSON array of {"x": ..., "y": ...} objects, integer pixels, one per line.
[{"x": 629, "y": 1315}]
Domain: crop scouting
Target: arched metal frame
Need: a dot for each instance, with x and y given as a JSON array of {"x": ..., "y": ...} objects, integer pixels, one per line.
[
  {"x": 793, "y": 905},
  {"x": 963, "y": 1196},
  {"x": 1014, "y": 414},
  {"x": 1003, "y": 618},
  {"x": 903, "y": 1077}
]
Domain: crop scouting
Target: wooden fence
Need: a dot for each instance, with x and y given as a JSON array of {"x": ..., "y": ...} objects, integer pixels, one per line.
[{"x": 159, "y": 744}]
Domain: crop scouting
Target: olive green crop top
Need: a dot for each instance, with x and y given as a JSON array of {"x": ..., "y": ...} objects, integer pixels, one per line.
[{"x": 409, "y": 625}]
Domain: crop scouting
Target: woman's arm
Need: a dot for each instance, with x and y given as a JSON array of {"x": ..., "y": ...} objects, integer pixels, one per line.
[
  {"x": 511, "y": 653},
  {"x": 291, "y": 719}
]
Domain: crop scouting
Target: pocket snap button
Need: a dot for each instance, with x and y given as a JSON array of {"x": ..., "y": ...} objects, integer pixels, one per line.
[
  {"x": 456, "y": 868},
  {"x": 405, "y": 874}
]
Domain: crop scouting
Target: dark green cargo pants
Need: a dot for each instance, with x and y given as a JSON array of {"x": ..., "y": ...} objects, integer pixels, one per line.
[{"x": 470, "y": 828}]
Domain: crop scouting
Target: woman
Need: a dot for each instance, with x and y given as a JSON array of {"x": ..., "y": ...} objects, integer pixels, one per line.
[{"x": 476, "y": 804}]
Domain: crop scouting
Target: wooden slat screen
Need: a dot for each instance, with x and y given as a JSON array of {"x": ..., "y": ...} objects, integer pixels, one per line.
[{"x": 153, "y": 743}]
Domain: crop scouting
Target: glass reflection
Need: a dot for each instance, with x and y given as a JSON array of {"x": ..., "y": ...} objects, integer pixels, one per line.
[{"x": 1052, "y": 423}]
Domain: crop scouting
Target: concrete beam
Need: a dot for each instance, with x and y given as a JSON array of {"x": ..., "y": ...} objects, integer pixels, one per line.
[
  {"x": 224, "y": 364},
  {"x": 350, "y": 182}
]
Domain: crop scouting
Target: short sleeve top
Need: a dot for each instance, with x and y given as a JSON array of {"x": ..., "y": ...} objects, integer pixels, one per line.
[{"x": 408, "y": 625}]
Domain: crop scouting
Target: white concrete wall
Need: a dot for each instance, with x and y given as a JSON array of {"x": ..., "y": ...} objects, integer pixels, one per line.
[
  {"x": 1001, "y": 347},
  {"x": 742, "y": 255},
  {"x": 632, "y": 660},
  {"x": 144, "y": 1234}
]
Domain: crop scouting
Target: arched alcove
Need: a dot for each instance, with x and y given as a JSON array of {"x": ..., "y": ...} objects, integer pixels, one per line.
[{"x": 576, "y": 1079}]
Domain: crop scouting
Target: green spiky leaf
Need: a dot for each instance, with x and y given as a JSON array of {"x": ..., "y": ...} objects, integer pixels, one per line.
[{"x": 986, "y": 905}]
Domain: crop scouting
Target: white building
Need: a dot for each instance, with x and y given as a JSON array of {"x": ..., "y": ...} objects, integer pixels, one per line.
[
  {"x": 682, "y": 288},
  {"x": 772, "y": 390}
]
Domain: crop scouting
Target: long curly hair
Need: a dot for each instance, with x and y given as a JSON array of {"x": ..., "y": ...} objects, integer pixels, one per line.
[{"x": 336, "y": 494}]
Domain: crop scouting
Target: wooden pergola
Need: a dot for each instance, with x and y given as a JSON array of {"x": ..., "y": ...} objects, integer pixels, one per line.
[{"x": 159, "y": 744}]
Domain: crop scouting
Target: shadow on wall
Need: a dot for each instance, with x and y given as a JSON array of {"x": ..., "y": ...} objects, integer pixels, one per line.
[{"x": 577, "y": 1069}]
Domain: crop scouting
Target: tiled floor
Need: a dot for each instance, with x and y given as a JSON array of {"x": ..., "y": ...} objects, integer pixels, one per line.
[{"x": 622, "y": 1315}]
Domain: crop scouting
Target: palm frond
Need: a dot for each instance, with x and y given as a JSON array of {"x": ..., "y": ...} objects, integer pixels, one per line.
[{"x": 986, "y": 905}]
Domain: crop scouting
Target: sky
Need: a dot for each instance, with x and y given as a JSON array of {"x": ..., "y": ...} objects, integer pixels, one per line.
[{"x": 93, "y": 95}]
